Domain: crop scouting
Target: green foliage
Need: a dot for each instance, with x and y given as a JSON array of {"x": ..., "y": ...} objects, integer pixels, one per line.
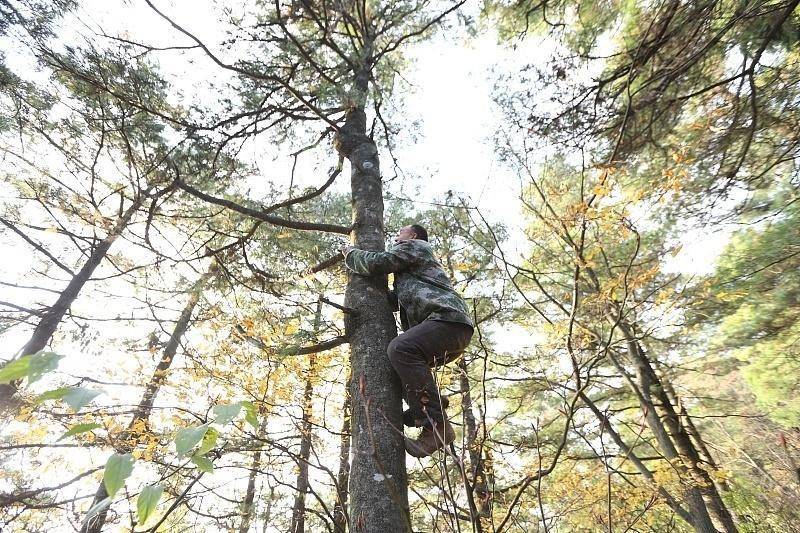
[
  {"x": 75, "y": 397},
  {"x": 77, "y": 429},
  {"x": 32, "y": 366},
  {"x": 753, "y": 299},
  {"x": 224, "y": 413},
  {"x": 209, "y": 441},
  {"x": 187, "y": 438},
  {"x": 761, "y": 510},
  {"x": 118, "y": 468},
  {"x": 203, "y": 464},
  {"x": 585, "y": 22},
  {"x": 147, "y": 501},
  {"x": 250, "y": 413}
]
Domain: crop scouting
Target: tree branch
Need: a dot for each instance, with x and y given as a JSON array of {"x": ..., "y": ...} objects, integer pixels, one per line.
[{"x": 261, "y": 214}]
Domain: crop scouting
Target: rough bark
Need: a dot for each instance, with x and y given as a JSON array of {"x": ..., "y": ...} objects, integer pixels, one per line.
[
  {"x": 378, "y": 479},
  {"x": 47, "y": 326},
  {"x": 145, "y": 406},
  {"x": 691, "y": 430},
  {"x": 299, "y": 507}
]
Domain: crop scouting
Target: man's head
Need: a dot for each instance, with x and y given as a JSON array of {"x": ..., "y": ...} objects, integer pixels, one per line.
[{"x": 414, "y": 231}]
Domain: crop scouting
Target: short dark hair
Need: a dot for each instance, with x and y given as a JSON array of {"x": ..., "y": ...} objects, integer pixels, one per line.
[{"x": 421, "y": 232}]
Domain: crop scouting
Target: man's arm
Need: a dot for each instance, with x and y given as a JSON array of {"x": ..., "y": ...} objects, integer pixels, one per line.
[{"x": 366, "y": 263}]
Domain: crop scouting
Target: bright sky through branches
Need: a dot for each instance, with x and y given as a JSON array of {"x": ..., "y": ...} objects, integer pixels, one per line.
[{"x": 628, "y": 260}]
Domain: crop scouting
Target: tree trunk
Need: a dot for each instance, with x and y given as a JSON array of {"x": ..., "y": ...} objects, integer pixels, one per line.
[
  {"x": 340, "y": 509},
  {"x": 708, "y": 510},
  {"x": 299, "y": 508},
  {"x": 378, "y": 479},
  {"x": 633, "y": 458},
  {"x": 268, "y": 511},
  {"x": 47, "y": 326},
  {"x": 478, "y": 476},
  {"x": 248, "y": 509},
  {"x": 145, "y": 407},
  {"x": 52, "y": 317},
  {"x": 691, "y": 430}
]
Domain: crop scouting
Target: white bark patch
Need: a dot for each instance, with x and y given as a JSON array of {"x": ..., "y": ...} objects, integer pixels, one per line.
[{"x": 381, "y": 477}]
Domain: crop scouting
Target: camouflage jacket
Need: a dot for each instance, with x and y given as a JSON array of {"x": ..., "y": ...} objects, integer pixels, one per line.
[{"x": 423, "y": 290}]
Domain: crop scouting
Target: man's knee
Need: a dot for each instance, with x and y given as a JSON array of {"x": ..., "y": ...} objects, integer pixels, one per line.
[
  {"x": 403, "y": 350},
  {"x": 396, "y": 349}
]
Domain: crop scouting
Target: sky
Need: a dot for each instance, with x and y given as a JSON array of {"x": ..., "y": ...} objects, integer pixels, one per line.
[{"x": 450, "y": 97}]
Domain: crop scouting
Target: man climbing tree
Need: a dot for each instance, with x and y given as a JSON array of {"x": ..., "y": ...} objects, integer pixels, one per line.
[{"x": 436, "y": 326}]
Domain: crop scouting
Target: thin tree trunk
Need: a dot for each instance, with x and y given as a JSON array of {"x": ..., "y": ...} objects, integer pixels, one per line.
[
  {"x": 340, "y": 509},
  {"x": 633, "y": 458},
  {"x": 687, "y": 424},
  {"x": 299, "y": 508},
  {"x": 47, "y": 326},
  {"x": 675, "y": 444},
  {"x": 700, "y": 518},
  {"x": 248, "y": 509},
  {"x": 268, "y": 511},
  {"x": 145, "y": 407},
  {"x": 480, "y": 487},
  {"x": 378, "y": 479}
]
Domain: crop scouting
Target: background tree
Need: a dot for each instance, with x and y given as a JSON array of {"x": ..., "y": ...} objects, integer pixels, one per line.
[{"x": 667, "y": 133}]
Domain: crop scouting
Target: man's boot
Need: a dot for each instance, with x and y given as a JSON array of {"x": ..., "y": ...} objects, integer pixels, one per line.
[
  {"x": 408, "y": 415},
  {"x": 434, "y": 436}
]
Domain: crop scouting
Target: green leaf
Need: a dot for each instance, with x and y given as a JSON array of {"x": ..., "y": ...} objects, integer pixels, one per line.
[
  {"x": 250, "y": 413},
  {"x": 203, "y": 463},
  {"x": 96, "y": 509},
  {"x": 187, "y": 438},
  {"x": 118, "y": 468},
  {"x": 75, "y": 397},
  {"x": 209, "y": 440},
  {"x": 16, "y": 369},
  {"x": 32, "y": 366},
  {"x": 79, "y": 428},
  {"x": 147, "y": 501},
  {"x": 55, "y": 394},
  {"x": 41, "y": 363},
  {"x": 224, "y": 413}
]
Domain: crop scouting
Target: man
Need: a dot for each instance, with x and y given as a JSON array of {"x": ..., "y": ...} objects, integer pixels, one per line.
[{"x": 436, "y": 324}]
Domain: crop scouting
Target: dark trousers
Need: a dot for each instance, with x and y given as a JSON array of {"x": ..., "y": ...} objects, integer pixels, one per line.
[{"x": 414, "y": 352}]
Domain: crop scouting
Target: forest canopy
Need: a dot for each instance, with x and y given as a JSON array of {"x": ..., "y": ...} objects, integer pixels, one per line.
[{"x": 612, "y": 187}]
